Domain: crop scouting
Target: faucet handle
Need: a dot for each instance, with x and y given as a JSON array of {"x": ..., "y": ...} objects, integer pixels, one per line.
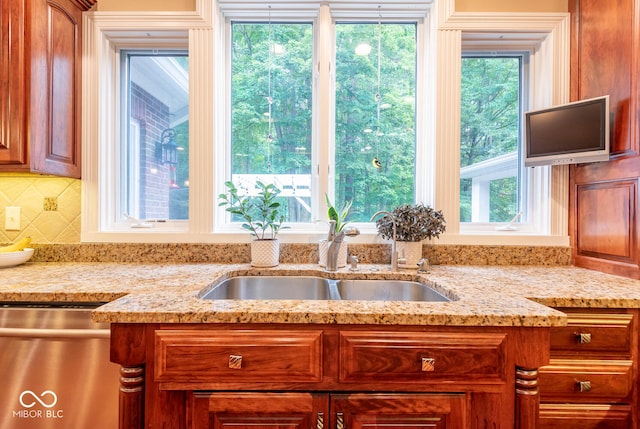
[
  {"x": 424, "y": 266},
  {"x": 353, "y": 260}
]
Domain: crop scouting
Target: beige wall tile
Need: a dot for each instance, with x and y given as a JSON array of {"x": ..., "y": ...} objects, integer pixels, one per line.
[{"x": 29, "y": 192}]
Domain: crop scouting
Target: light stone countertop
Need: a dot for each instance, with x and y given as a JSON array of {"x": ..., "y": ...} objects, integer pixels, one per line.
[{"x": 161, "y": 293}]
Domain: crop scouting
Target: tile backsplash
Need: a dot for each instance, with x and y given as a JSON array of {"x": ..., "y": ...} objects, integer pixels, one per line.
[{"x": 49, "y": 207}]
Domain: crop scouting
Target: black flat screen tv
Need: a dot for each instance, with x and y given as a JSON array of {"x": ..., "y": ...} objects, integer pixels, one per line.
[{"x": 570, "y": 133}]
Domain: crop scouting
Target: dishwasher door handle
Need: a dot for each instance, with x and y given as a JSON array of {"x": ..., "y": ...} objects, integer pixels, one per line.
[{"x": 55, "y": 333}]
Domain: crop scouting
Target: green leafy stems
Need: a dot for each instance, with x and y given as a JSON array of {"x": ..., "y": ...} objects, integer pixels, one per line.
[
  {"x": 260, "y": 213},
  {"x": 338, "y": 215}
]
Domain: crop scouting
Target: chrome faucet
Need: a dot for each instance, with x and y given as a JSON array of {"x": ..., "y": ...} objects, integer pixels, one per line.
[
  {"x": 335, "y": 241},
  {"x": 394, "y": 251},
  {"x": 334, "y": 249}
]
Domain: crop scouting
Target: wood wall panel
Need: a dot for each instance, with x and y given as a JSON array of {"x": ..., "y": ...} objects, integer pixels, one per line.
[
  {"x": 605, "y": 59},
  {"x": 606, "y": 220}
]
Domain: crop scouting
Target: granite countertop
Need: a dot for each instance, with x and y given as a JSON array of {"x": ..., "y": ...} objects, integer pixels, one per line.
[{"x": 482, "y": 295}]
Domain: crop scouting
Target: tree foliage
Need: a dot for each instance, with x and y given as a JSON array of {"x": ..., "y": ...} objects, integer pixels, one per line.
[{"x": 254, "y": 58}]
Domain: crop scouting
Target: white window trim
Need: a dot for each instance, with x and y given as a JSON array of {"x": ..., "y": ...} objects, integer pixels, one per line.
[
  {"x": 324, "y": 21},
  {"x": 204, "y": 30},
  {"x": 550, "y": 184},
  {"x": 104, "y": 34}
]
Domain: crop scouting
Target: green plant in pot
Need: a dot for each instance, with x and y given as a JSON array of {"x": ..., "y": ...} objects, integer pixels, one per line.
[
  {"x": 337, "y": 217},
  {"x": 414, "y": 223},
  {"x": 261, "y": 217}
]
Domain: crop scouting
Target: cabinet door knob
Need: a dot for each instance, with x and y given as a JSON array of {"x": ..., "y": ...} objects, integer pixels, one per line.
[
  {"x": 428, "y": 364},
  {"x": 583, "y": 337},
  {"x": 584, "y": 386},
  {"x": 235, "y": 361}
]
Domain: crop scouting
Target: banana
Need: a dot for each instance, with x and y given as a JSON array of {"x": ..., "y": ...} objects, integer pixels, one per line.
[{"x": 17, "y": 246}]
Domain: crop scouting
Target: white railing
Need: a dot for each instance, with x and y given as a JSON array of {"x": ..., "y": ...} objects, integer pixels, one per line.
[
  {"x": 481, "y": 175},
  {"x": 296, "y": 186}
]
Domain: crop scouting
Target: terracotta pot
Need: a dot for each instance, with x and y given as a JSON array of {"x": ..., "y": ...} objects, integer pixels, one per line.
[{"x": 265, "y": 253}]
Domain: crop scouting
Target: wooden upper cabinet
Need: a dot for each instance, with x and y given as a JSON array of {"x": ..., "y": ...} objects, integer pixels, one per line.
[
  {"x": 13, "y": 85},
  {"x": 40, "y": 83},
  {"x": 603, "y": 196},
  {"x": 603, "y": 63}
]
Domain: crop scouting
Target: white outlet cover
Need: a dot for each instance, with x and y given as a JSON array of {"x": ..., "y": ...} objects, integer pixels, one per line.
[{"x": 12, "y": 219}]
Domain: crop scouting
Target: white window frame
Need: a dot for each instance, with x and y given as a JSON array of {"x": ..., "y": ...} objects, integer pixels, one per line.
[
  {"x": 203, "y": 31},
  {"x": 105, "y": 34},
  {"x": 324, "y": 18},
  {"x": 546, "y": 36}
]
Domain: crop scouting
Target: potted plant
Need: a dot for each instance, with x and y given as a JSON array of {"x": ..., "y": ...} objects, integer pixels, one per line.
[
  {"x": 339, "y": 218},
  {"x": 261, "y": 217},
  {"x": 414, "y": 223}
]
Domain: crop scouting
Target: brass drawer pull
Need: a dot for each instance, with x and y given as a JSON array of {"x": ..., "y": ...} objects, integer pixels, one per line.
[
  {"x": 428, "y": 364},
  {"x": 583, "y": 338},
  {"x": 235, "y": 361},
  {"x": 584, "y": 386},
  {"x": 320, "y": 421},
  {"x": 339, "y": 421}
]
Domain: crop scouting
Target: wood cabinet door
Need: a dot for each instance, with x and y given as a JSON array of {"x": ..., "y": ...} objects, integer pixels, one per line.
[
  {"x": 13, "y": 87},
  {"x": 253, "y": 410},
  {"x": 55, "y": 79},
  {"x": 400, "y": 411}
]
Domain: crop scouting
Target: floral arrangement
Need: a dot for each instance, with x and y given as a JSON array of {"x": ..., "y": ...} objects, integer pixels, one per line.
[{"x": 413, "y": 223}]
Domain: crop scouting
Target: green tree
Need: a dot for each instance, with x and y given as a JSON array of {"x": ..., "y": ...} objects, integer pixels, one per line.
[
  {"x": 284, "y": 52},
  {"x": 357, "y": 139}
]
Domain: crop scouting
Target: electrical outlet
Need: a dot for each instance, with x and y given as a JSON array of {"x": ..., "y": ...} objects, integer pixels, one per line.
[{"x": 12, "y": 219}]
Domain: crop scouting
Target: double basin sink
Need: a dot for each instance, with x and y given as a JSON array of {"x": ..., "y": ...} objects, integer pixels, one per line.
[{"x": 319, "y": 288}]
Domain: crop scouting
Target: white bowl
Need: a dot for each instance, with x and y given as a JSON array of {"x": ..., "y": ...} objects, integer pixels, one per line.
[{"x": 11, "y": 259}]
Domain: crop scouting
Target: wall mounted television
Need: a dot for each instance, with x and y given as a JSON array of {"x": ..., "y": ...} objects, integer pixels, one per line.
[{"x": 571, "y": 133}]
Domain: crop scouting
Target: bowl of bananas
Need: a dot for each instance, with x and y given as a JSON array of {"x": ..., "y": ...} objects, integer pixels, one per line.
[{"x": 16, "y": 253}]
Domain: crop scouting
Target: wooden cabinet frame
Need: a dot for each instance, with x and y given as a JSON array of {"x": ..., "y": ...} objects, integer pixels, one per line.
[{"x": 357, "y": 364}]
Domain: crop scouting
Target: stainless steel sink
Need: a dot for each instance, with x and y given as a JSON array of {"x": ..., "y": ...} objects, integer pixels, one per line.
[
  {"x": 318, "y": 288},
  {"x": 271, "y": 287},
  {"x": 387, "y": 290}
]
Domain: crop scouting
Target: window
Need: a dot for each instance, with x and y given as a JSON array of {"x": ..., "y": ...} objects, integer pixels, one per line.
[
  {"x": 490, "y": 136},
  {"x": 271, "y": 111},
  {"x": 375, "y": 135},
  {"x": 324, "y": 118},
  {"x": 155, "y": 152},
  {"x": 272, "y": 115}
]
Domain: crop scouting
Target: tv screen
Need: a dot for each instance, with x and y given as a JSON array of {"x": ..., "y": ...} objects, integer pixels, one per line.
[{"x": 568, "y": 134}]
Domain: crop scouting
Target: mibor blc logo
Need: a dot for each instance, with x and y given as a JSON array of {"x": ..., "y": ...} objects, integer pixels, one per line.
[{"x": 38, "y": 406}]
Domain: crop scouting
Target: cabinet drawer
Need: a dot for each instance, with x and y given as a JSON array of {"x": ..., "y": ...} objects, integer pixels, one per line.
[
  {"x": 416, "y": 357},
  {"x": 595, "y": 333},
  {"x": 585, "y": 416},
  {"x": 605, "y": 380},
  {"x": 185, "y": 356}
]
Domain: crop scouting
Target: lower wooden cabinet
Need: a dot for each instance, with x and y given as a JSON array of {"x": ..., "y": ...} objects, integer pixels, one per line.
[
  {"x": 242, "y": 410},
  {"x": 285, "y": 376},
  {"x": 591, "y": 381}
]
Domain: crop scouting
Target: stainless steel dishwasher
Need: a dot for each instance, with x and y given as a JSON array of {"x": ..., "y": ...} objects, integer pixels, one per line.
[{"x": 54, "y": 368}]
